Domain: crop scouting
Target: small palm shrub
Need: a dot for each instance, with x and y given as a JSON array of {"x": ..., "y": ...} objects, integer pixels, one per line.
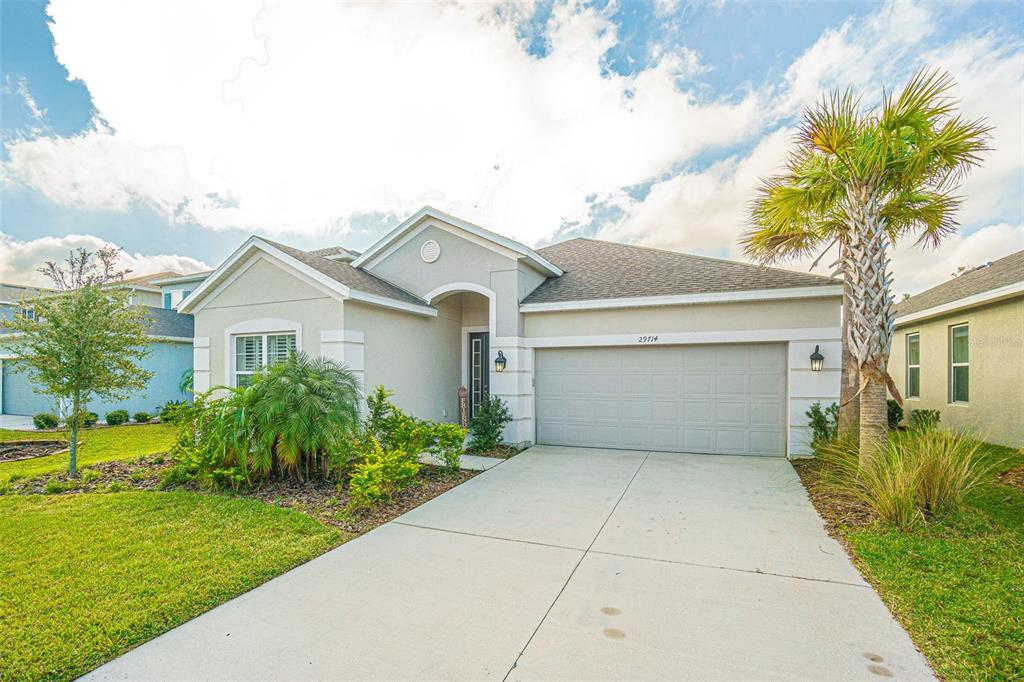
[
  {"x": 116, "y": 417},
  {"x": 920, "y": 474},
  {"x": 488, "y": 423},
  {"x": 142, "y": 417},
  {"x": 288, "y": 422},
  {"x": 924, "y": 419},
  {"x": 824, "y": 423},
  {"x": 45, "y": 420}
]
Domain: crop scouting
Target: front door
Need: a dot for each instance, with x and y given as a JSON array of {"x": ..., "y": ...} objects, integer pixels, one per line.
[{"x": 479, "y": 376}]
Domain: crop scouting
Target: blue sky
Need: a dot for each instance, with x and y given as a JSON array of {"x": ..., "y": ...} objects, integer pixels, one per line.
[{"x": 640, "y": 122}]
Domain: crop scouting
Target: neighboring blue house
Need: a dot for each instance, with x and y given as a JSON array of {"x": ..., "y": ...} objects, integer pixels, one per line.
[{"x": 170, "y": 356}]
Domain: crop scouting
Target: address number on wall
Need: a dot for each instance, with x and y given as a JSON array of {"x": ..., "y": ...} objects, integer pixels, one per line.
[{"x": 647, "y": 339}]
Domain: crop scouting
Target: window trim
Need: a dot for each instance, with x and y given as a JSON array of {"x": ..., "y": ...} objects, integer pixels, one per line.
[
  {"x": 910, "y": 366},
  {"x": 954, "y": 365}
]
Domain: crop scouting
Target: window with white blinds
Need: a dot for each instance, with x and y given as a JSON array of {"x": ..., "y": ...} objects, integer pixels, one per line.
[{"x": 253, "y": 352}]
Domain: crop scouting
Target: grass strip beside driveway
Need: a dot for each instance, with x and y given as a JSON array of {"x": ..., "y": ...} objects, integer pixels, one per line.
[
  {"x": 87, "y": 577},
  {"x": 957, "y": 583}
]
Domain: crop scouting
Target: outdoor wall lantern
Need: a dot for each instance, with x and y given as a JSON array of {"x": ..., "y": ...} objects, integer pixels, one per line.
[
  {"x": 817, "y": 360},
  {"x": 499, "y": 362}
]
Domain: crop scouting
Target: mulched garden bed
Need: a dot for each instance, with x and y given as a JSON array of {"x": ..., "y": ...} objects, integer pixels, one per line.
[
  {"x": 1013, "y": 477},
  {"x": 837, "y": 510},
  {"x": 500, "y": 452},
  {"x": 13, "y": 451},
  {"x": 320, "y": 499}
]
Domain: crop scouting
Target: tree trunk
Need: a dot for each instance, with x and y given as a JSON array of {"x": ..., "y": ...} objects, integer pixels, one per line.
[
  {"x": 874, "y": 420},
  {"x": 73, "y": 445},
  {"x": 872, "y": 321},
  {"x": 849, "y": 382}
]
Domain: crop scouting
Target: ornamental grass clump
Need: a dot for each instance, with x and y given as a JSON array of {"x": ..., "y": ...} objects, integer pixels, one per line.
[{"x": 919, "y": 475}]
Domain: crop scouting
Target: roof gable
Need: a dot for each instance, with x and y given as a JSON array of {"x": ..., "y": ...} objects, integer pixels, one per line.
[
  {"x": 337, "y": 277},
  {"x": 394, "y": 238},
  {"x": 596, "y": 270}
]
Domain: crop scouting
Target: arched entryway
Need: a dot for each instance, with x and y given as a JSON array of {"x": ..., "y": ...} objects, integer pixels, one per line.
[{"x": 469, "y": 309}]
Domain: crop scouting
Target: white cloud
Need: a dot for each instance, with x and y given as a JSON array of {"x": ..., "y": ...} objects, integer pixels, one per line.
[
  {"x": 20, "y": 261},
  {"x": 296, "y": 116},
  {"x": 916, "y": 269}
]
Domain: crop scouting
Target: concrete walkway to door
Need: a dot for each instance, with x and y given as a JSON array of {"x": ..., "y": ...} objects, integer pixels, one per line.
[{"x": 565, "y": 563}]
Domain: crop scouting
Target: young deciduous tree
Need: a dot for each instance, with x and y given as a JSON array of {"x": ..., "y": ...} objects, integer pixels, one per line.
[
  {"x": 85, "y": 339},
  {"x": 860, "y": 179}
]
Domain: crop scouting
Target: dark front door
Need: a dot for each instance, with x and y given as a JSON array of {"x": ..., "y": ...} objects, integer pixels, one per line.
[{"x": 479, "y": 376}]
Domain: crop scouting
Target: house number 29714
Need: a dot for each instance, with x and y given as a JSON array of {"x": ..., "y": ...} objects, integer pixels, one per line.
[{"x": 647, "y": 339}]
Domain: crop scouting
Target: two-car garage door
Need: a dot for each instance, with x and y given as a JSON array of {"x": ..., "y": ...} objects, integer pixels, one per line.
[{"x": 721, "y": 399}]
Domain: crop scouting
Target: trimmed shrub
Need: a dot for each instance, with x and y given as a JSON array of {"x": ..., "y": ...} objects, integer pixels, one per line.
[
  {"x": 922, "y": 473},
  {"x": 117, "y": 417},
  {"x": 142, "y": 417},
  {"x": 379, "y": 475},
  {"x": 89, "y": 419},
  {"x": 172, "y": 411},
  {"x": 448, "y": 440},
  {"x": 894, "y": 412},
  {"x": 924, "y": 419},
  {"x": 45, "y": 420},
  {"x": 488, "y": 423},
  {"x": 824, "y": 423}
]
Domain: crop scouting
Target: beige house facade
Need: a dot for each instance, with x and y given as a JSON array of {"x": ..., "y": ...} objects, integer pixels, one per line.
[
  {"x": 602, "y": 344},
  {"x": 959, "y": 349}
]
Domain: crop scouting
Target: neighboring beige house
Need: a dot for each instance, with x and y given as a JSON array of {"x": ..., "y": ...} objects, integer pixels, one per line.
[
  {"x": 959, "y": 349},
  {"x": 605, "y": 344}
]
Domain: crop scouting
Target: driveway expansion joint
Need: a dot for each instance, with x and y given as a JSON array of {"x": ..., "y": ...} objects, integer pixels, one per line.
[
  {"x": 488, "y": 537},
  {"x": 574, "y": 568},
  {"x": 731, "y": 568}
]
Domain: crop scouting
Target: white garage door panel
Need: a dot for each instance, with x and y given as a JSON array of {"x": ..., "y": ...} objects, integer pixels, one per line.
[{"x": 726, "y": 399}]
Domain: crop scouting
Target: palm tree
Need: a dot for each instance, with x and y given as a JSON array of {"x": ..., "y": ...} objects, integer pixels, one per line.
[{"x": 860, "y": 179}]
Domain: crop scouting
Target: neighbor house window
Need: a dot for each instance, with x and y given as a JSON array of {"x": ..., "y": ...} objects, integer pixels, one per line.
[
  {"x": 253, "y": 352},
  {"x": 913, "y": 365},
  {"x": 959, "y": 371},
  {"x": 28, "y": 313},
  {"x": 185, "y": 294},
  {"x": 167, "y": 300}
]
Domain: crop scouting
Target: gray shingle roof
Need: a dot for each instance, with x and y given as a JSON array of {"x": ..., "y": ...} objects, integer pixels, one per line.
[
  {"x": 349, "y": 276},
  {"x": 168, "y": 322},
  {"x": 597, "y": 270},
  {"x": 164, "y": 322},
  {"x": 1000, "y": 273}
]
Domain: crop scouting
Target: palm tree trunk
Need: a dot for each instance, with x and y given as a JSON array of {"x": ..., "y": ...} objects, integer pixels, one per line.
[
  {"x": 849, "y": 400},
  {"x": 874, "y": 421},
  {"x": 872, "y": 322}
]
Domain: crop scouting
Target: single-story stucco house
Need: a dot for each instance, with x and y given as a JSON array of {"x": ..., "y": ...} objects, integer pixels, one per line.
[
  {"x": 605, "y": 344},
  {"x": 959, "y": 349},
  {"x": 170, "y": 356}
]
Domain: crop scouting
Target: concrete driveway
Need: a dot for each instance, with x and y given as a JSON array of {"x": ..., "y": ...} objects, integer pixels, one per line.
[{"x": 565, "y": 563}]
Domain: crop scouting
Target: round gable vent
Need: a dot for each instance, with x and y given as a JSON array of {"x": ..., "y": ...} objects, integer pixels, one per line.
[{"x": 430, "y": 251}]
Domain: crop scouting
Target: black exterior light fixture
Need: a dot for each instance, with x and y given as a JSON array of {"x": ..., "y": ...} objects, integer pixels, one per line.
[
  {"x": 817, "y": 360},
  {"x": 499, "y": 362}
]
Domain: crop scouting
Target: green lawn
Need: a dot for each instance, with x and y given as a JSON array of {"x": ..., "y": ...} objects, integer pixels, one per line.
[
  {"x": 87, "y": 577},
  {"x": 957, "y": 585},
  {"x": 96, "y": 445}
]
